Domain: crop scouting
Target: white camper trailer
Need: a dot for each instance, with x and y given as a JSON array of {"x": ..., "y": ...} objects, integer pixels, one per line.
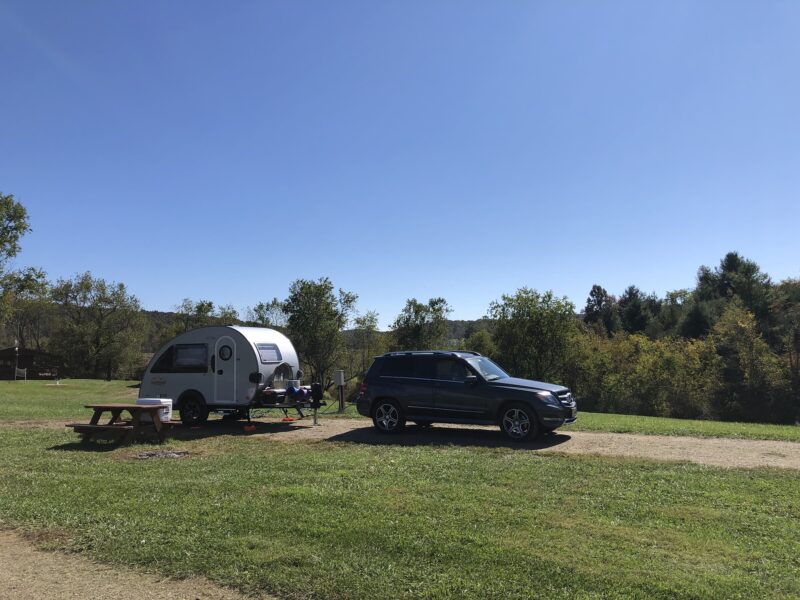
[{"x": 225, "y": 369}]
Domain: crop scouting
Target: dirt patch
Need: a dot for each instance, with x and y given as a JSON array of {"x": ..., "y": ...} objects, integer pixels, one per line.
[
  {"x": 36, "y": 423},
  {"x": 29, "y": 573},
  {"x": 162, "y": 454},
  {"x": 721, "y": 452}
]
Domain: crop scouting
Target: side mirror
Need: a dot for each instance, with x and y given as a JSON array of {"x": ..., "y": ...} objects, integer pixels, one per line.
[{"x": 471, "y": 379}]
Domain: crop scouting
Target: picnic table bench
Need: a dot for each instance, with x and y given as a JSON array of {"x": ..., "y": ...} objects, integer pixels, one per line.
[{"x": 119, "y": 428}]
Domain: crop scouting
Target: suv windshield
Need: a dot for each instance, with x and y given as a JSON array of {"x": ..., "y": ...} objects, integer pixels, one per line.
[{"x": 487, "y": 368}]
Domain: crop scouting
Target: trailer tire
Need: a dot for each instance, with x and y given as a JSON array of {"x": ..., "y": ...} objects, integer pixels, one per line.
[{"x": 193, "y": 410}]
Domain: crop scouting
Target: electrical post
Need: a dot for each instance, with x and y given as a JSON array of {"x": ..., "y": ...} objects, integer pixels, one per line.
[{"x": 338, "y": 378}]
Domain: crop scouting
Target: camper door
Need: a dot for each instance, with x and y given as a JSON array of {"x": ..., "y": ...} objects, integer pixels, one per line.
[{"x": 225, "y": 371}]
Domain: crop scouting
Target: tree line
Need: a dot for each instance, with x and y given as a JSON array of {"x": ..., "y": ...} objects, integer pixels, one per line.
[{"x": 729, "y": 348}]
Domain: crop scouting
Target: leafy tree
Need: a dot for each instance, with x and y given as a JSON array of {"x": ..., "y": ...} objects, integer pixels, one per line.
[
  {"x": 637, "y": 309},
  {"x": 752, "y": 381},
  {"x": 481, "y": 342},
  {"x": 532, "y": 333},
  {"x": 602, "y": 310},
  {"x": 100, "y": 328},
  {"x": 192, "y": 315},
  {"x": 226, "y": 315},
  {"x": 736, "y": 277},
  {"x": 671, "y": 312},
  {"x": 697, "y": 321},
  {"x": 13, "y": 225},
  {"x": 27, "y": 294},
  {"x": 315, "y": 320},
  {"x": 364, "y": 342},
  {"x": 421, "y": 326},
  {"x": 787, "y": 308},
  {"x": 267, "y": 314}
]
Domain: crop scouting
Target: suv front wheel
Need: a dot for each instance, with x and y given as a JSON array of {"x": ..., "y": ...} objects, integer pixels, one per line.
[
  {"x": 519, "y": 422},
  {"x": 388, "y": 417}
]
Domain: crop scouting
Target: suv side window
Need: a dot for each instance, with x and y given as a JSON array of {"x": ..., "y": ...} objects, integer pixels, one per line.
[
  {"x": 424, "y": 367},
  {"x": 447, "y": 369},
  {"x": 397, "y": 366}
]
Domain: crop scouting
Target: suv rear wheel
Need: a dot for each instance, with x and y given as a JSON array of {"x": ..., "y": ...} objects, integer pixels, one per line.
[
  {"x": 388, "y": 417},
  {"x": 519, "y": 422}
]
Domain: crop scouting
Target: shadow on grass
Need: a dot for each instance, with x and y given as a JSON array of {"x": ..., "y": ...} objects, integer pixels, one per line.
[
  {"x": 446, "y": 436},
  {"x": 93, "y": 446},
  {"x": 220, "y": 427}
]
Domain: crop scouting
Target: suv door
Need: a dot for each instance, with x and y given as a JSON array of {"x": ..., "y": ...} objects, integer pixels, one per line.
[
  {"x": 454, "y": 398},
  {"x": 406, "y": 378}
]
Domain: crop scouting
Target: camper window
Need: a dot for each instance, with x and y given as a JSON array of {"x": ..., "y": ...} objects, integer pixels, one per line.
[
  {"x": 183, "y": 358},
  {"x": 164, "y": 362},
  {"x": 191, "y": 358},
  {"x": 269, "y": 353}
]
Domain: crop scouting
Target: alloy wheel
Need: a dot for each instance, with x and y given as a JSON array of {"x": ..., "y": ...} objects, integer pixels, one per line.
[{"x": 516, "y": 423}]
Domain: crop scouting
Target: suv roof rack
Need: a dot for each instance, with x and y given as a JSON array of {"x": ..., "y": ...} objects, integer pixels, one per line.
[{"x": 432, "y": 352}]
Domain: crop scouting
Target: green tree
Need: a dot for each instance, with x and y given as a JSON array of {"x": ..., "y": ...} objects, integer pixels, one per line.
[
  {"x": 481, "y": 342},
  {"x": 364, "y": 342},
  {"x": 637, "y": 309},
  {"x": 100, "y": 328},
  {"x": 192, "y": 315},
  {"x": 226, "y": 314},
  {"x": 753, "y": 381},
  {"x": 267, "y": 314},
  {"x": 316, "y": 317},
  {"x": 736, "y": 277},
  {"x": 787, "y": 309},
  {"x": 532, "y": 333},
  {"x": 601, "y": 310},
  {"x": 421, "y": 326},
  {"x": 27, "y": 295},
  {"x": 13, "y": 225}
]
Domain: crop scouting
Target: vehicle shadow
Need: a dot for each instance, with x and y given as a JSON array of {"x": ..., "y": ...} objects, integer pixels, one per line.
[
  {"x": 446, "y": 436},
  {"x": 224, "y": 427}
]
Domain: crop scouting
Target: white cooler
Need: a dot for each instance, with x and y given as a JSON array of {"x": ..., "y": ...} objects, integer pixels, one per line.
[{"x": 165, "y": 413}]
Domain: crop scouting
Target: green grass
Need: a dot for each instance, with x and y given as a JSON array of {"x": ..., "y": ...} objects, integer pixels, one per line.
[
  {"x": 346, "y": 520},
  {"x": 43, "y": 400},
  {"x": 26, "y": 400},
  {"x": 663, "y": 426}
]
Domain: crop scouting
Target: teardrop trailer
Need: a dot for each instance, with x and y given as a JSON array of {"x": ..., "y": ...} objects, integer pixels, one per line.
[{"x": 229, "y": 370}]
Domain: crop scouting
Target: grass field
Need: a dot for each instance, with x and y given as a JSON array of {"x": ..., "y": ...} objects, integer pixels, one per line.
[
  {"x": 339, "y": 520},
  {"x": 43, "y": 400},
  {"x": 324, "y": 519}
]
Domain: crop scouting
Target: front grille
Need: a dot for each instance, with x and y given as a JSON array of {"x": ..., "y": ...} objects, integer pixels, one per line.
[{"x": 565, "y": 397}]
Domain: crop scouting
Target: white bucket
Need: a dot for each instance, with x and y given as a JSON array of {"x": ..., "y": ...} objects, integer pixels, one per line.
[{"x": 165, "y": 413}]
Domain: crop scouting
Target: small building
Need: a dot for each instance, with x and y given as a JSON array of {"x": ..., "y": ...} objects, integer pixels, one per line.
[{"x": 39, "y": 364}]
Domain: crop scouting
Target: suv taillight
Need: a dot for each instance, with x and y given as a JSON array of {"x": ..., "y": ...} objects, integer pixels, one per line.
[{"x": 363, "y": 389}]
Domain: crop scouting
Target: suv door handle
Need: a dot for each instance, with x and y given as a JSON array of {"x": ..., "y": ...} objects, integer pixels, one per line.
[{"x": 219, "y": 372}]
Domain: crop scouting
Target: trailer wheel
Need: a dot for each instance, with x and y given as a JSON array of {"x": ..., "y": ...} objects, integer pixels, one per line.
[{"x": 193, "y": 411}]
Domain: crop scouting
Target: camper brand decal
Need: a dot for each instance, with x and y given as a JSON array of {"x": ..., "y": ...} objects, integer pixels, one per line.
[{"x": 158, "y": 381}]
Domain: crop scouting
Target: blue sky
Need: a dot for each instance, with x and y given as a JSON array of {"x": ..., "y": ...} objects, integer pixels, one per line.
[{"x": 404, "y": 149}]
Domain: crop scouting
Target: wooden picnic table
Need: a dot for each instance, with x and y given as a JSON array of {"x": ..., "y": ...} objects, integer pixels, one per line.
[{"x": 120, "y": 428}]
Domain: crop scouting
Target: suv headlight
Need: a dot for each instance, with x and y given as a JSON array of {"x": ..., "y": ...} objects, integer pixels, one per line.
[{"x": 549, "y": 399}]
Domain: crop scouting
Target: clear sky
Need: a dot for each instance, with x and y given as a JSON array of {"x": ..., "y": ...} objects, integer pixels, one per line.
[{"x": 220, "y": 150}]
